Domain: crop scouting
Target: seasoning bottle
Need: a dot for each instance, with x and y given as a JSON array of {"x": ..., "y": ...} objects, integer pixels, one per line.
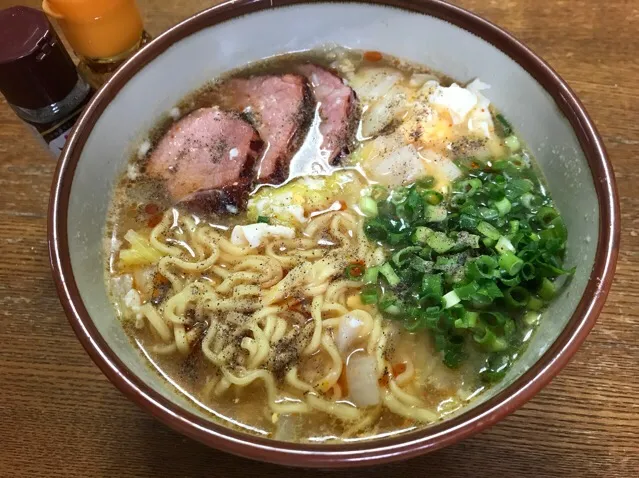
[
  {"x": 38, "y": 77},
  {"x": 102, "y": 33}
]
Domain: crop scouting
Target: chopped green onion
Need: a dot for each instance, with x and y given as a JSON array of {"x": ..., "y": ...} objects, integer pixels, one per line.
[
  {"x": 369, "y": 294},
  {"x": 559, "y": 228},
  {"x": 481, "y": 268},
  {"x": 376, "y": 230},
  {"x": 514, "y": 228},
  {"x": 387, "y": 300},
  {"x": 454, "y": 353},
  {"x": 515, "y": 162},
  {"x": 435, "y": 214},
  {"x": 488, "y": 291},
  {"x": 547, "y": 289},
  {"x": 509, "y": 328},
  {"x": 495, "y": 244},
  {"x": 513, "y": 143},
  {"x": 439, "y": 242},
  {"x": 263, "y": 220},
  {"x": 504, "y": 125},
  {"x": 547, "y": 214},
  {"x": 488, "y": 242},
  {"x": 504, "y": 245},
  {"x": 393, "y": 309},
  {"x": 395, "y": 238},
  {"x": 510, "y": 281},
  {"x": 425, "y": 183},
  {"x": 517, "y": 187},
  {"x": 528, "y": 271},
  {"x": 467, "y": 321},
  {"x": 535, "y": 303},
  {"x": 368, "y": 206},
  {"x": 531, "y": 318},
  {"x": 475, "y": 184},
  {"x": 488, "y": 341},
  {"x": 494, "y": 319},
  {"x": 467, "y": 222},
  {"x": 496, "y": 367},
  {"x": 465, "y": 240},
  {"x": 421, "y": 234},
  {"x": 432, "y": 285},
  {"x": 488, "y": 214},
  {"x": 432, "y": 197},
  {"x": 517, "y": 296},
  {"x": 355, "y": 271},
  {"x": 501, "y": 165},
  {"x": 510, "y": 263},
  {"x": 370, "y": 276},
  {"x": 526, "y": 199},
  {"x": 399, "y": 259},
  {"x": 450, "y": 299},
  {"x": 488, "y": 230},
  {"x": 503, "y": 206},
  {"x": 465, "y": 292},
  {"x": 419, "y": 264},
  {"x": 387, "y": 271},
  {"x": 467, "y": 188},
  {"x": 426, "y": 252},
  {"x": 459, "y": 201}
]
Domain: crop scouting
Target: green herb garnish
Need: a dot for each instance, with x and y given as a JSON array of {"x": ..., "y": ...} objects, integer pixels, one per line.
[{"x": 476, "y": 270}]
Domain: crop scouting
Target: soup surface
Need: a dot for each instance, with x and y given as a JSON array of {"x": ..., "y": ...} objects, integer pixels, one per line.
[{"x": 333, "y": 246}]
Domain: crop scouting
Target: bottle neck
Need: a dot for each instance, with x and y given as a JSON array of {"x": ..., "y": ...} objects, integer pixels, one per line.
[{"x": 59, "y": 110}]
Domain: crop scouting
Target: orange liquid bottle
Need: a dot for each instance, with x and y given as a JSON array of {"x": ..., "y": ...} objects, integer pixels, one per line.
[{"x": 103, "y": 33}]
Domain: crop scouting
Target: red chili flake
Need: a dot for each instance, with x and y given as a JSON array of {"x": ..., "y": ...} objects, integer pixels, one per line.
[
  {"x": 398, "y": 369},
  {"x": 154, "y": 220},
  {"x": 161, "y": 287},
  {"x": 151, "y": 209},
  {"x": 373, "y": 56},
  {"x": 342, "y": 206},
  {"x": 355, "y": 270},
  {"x": 474, "y": 165},
  {"x": 383, "y": 381}
]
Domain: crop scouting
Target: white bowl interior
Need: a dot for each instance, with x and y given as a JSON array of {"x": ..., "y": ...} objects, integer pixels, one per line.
[{"x": 202, "y": 56}]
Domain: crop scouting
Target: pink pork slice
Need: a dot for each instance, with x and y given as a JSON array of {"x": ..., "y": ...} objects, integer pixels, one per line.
[
  {"x": 278, "y": 104},
  {"x": 337, "y": 102},
  {"x": 208, "y": 149}
]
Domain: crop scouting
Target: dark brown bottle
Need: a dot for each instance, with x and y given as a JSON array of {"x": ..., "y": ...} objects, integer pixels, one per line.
[{"x": 38, "y": 77}]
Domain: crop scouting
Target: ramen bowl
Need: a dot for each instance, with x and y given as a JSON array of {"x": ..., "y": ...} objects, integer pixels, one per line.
[{"x": 447, "y": 39}]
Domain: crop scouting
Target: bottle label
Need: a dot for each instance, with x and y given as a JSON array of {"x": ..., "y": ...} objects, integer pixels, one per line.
[
  {"x": 57, "y": 145},
  {"x": 56, "y": 137}
]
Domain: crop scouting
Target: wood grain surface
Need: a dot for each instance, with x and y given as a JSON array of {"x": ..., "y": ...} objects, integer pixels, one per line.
[{"x": 59, "y": 417}]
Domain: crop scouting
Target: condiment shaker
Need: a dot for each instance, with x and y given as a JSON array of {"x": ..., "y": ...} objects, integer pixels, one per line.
[{"x": 38, "y": 77}]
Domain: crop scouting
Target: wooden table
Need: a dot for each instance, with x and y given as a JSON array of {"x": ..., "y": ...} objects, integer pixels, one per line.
[{"x": 59, "y": 416}]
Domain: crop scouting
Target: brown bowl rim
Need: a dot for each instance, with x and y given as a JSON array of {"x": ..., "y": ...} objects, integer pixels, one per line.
[{"x": 375, "y": 451}]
